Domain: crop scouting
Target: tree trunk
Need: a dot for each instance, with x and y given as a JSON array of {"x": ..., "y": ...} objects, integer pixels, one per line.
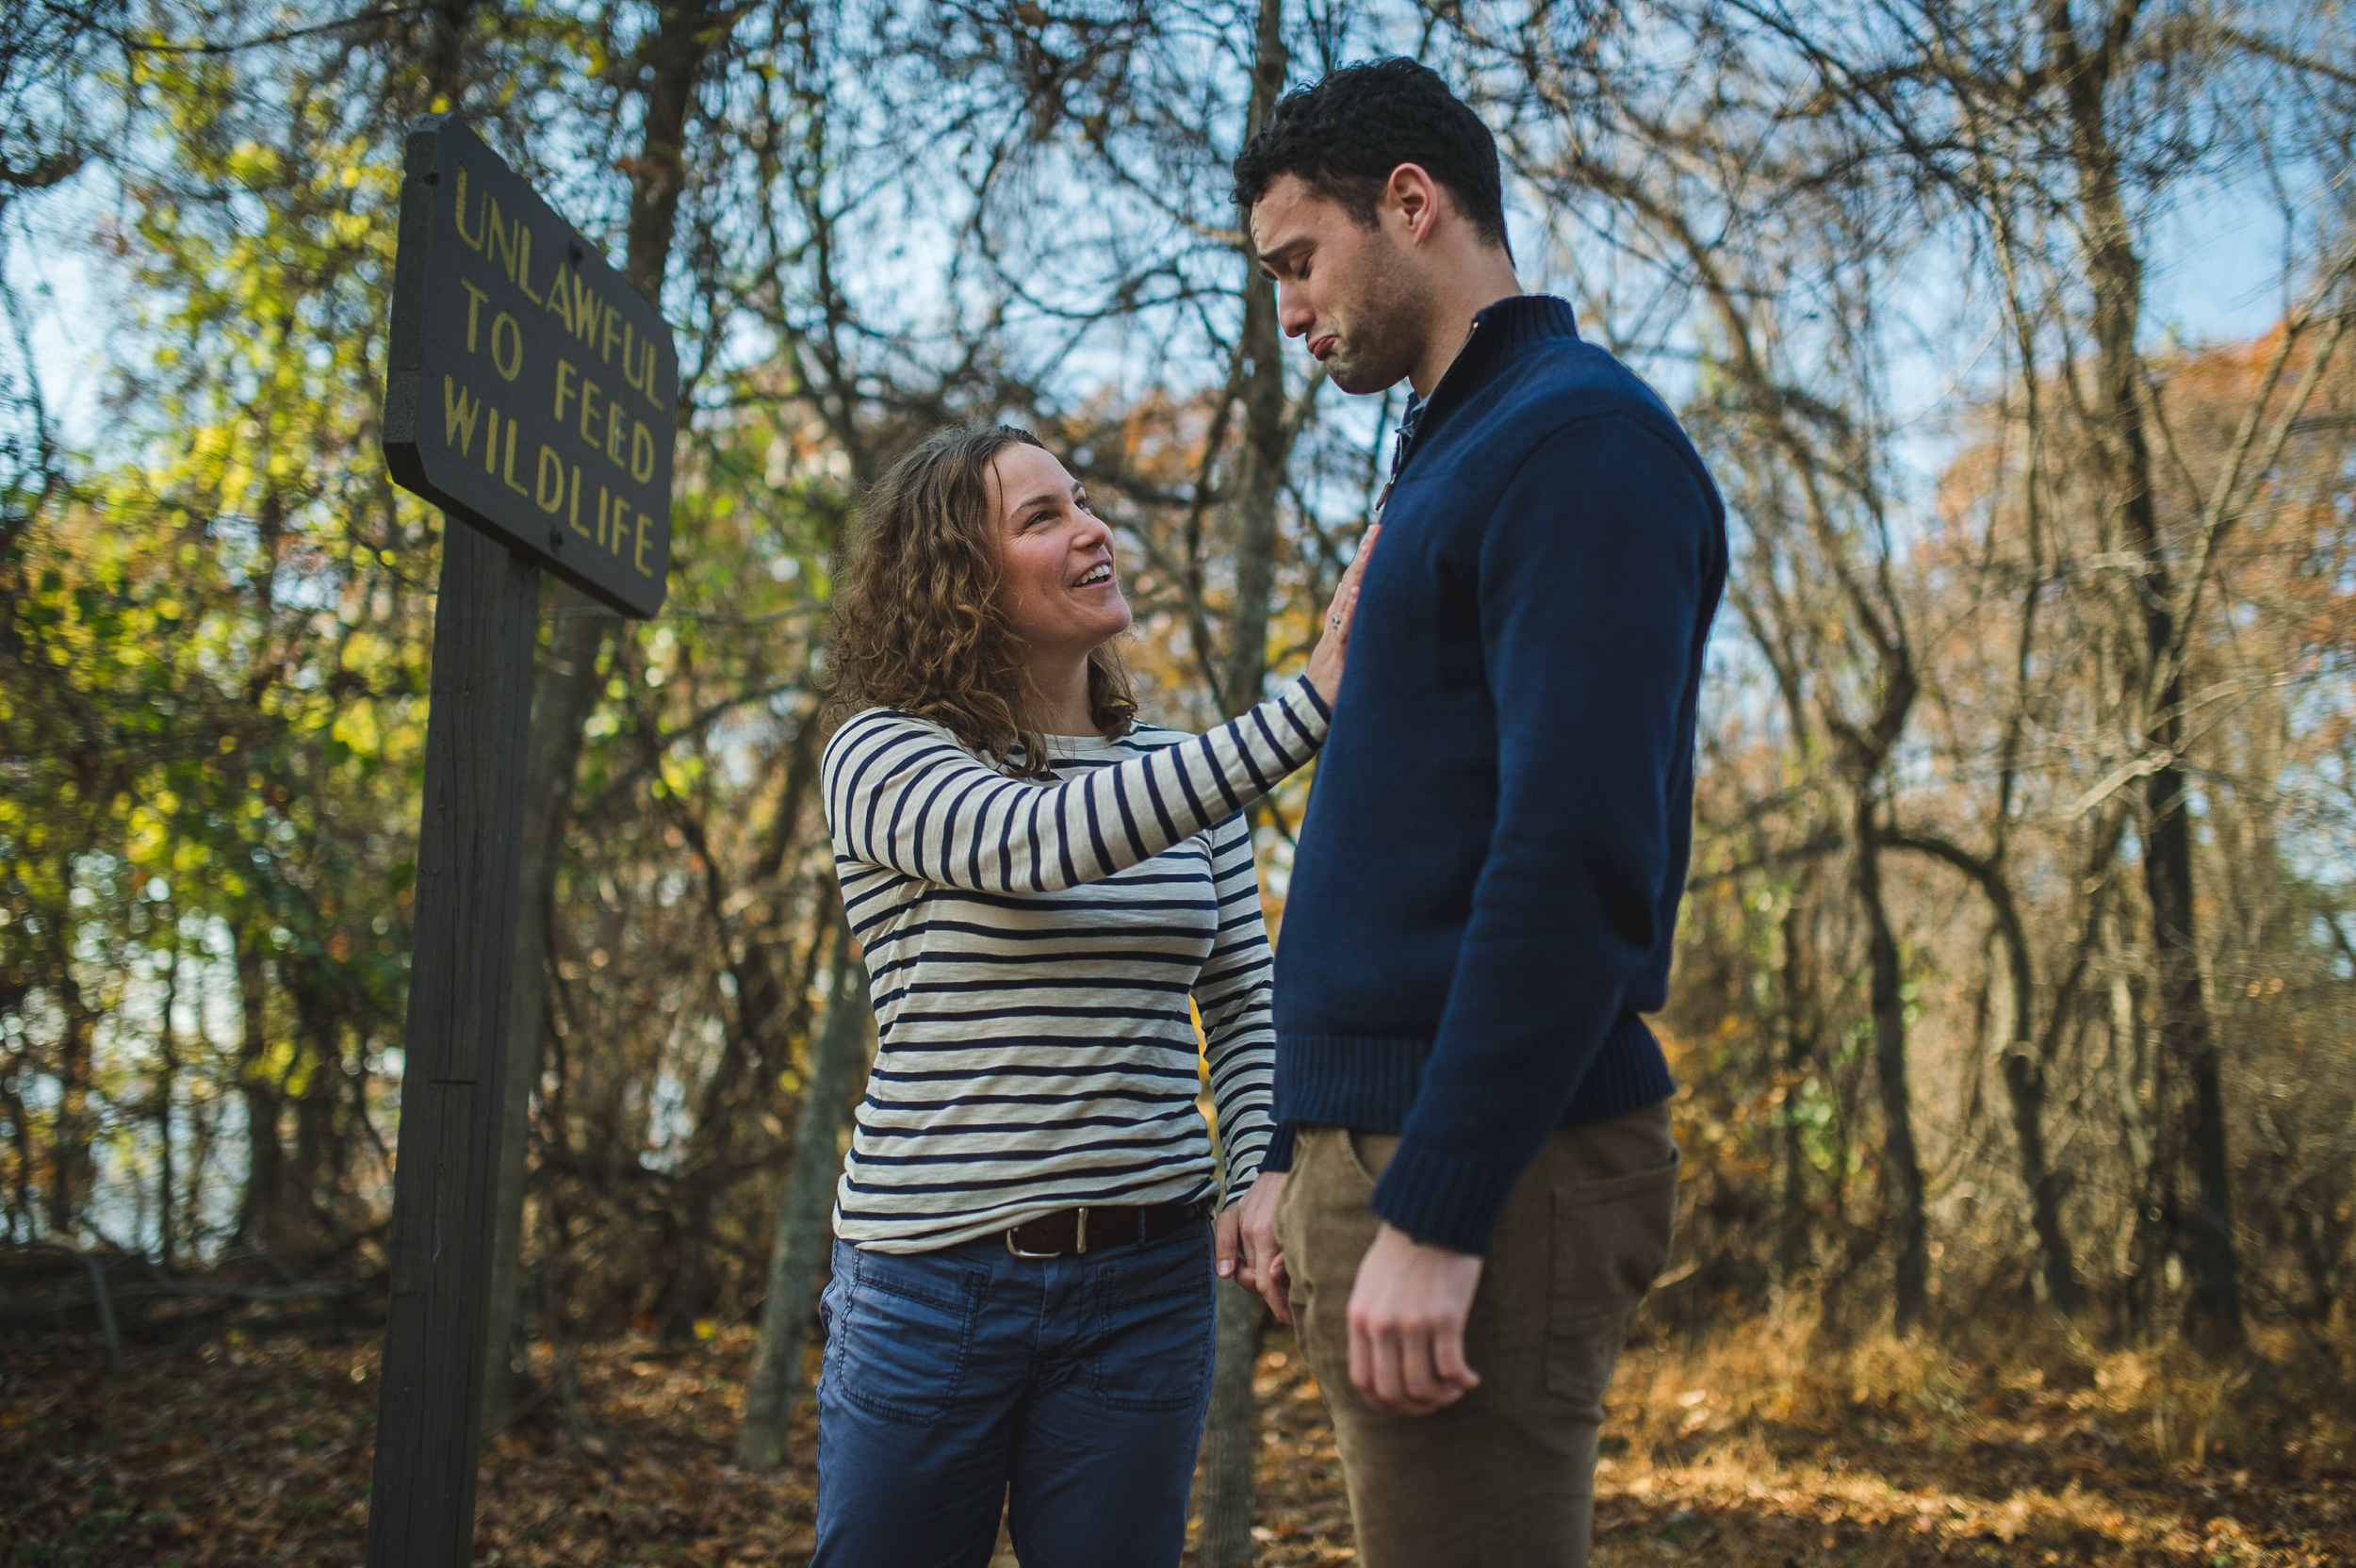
[
  {"x": 1888, "y": 994},
  {"x": 2212, "y": 1314},
  {"x": 2024, "y": 1087},
  {"x": 73, "y": 1168},
  {"x": 166, "y": 1075},
  {"x": 265, "y": 1156},
  {"x": 1799, "y": 1055},
  {"x": 2024, "y": 1091},
  {"x": 2023, "y": 1062},
  {"x": 2137, "y": 1079},
  {"x": 802, "y": 1212},
  {"x": 1261, "y": 476},
  {"x": 1228, "y": 1448},
  {"x": 1231, "y": 1422},
  {"x": 447, "y": 23},
  {"x": 565, "y": 686}
]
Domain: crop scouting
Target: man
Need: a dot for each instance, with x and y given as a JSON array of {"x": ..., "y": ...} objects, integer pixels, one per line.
[{"x": 1474, "y": 1118}]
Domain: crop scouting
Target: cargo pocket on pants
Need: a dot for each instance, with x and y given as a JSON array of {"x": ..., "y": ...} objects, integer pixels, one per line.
[{"x": 1610, "y": 1238}]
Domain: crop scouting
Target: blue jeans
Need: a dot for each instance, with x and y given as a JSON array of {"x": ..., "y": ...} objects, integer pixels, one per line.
[{"x": 1070, "y": 1389}]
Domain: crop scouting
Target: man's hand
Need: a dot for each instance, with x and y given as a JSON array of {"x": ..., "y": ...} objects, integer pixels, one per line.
[
  {"x": 1407, "y": 1325},
  {"x": 1247, "y": 1244}
]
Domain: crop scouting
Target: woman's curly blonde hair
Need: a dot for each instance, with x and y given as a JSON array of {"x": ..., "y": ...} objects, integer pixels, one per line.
[{"x": 918, "y": 625}]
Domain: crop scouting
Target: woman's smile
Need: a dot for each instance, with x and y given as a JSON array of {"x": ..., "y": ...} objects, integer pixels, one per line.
[{"x": 1062, "y": 586}]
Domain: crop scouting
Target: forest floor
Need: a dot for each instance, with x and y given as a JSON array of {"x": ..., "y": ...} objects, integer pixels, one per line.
[{"x": 1765, "y": 1448}]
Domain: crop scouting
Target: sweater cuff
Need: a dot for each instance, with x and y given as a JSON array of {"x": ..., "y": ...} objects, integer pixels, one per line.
[
  {"x": 1443, "y": 1197},
  {"x": 1242, "y": 1161},
  {"x": 1278, "y": 1156},
  {"x": 1308, "y": 691}
]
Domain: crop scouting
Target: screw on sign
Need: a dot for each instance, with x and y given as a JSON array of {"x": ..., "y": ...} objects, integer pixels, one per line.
[{"x": 530, "y": 395}]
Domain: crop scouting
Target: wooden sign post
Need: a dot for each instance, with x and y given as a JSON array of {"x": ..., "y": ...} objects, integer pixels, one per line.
[{"x": 532, "y": 394}]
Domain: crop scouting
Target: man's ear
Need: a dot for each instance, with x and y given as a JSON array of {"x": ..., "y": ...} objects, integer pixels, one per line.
[{"x": 1412, "y": 197}]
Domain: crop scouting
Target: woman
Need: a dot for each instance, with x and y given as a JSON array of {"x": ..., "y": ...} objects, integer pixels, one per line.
[{"x": 1021, "y": 1303}]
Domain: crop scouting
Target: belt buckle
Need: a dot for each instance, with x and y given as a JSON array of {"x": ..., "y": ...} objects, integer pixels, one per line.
[{"x": 1080, "y": 1243}]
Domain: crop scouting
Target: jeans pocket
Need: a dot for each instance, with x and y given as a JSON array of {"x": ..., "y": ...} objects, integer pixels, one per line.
[
  {"x": 900, "y": 1334},
  {"x": 1152, "y": 1323},
  {"x": 1610, "y": 1239}
]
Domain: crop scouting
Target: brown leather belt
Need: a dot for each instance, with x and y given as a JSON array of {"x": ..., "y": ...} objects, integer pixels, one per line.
[{"x": 1093, "y": 1230}]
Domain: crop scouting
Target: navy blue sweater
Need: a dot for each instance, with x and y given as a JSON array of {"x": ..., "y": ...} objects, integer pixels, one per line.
[{"x": 1489, "y": 873}]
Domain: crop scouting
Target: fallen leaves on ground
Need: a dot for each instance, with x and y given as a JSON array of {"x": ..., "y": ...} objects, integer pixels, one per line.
[
  {"x": 1767, "y": 1448},
  {"x": 1759, "y": 1450}
]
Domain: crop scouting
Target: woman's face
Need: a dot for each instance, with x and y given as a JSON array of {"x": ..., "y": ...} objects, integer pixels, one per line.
[{"x": 1060, "y": 589}]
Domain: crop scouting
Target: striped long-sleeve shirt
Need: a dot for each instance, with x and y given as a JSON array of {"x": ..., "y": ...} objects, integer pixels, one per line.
[{"x": 1032, "y": 948}]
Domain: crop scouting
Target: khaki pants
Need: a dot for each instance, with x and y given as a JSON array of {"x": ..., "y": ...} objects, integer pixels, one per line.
[{"x": 1505, "y": 1476}]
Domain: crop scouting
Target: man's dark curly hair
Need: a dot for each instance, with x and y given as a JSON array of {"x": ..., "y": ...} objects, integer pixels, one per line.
[{"x": 1344, "y": 135}]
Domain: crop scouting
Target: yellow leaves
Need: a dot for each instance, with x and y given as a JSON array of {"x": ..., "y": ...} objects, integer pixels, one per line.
[
  {"x": 367, "y": 650},
  {"x": 251, "y": 163},
  {"x": 678, "y": 775},
  {"x": 150, "y": 824},
  {"x": 357, "y": 726}
]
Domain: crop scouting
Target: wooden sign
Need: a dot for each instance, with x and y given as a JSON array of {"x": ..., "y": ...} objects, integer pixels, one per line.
[
  {"x": 531, "y": 391},
  {"x": 530, "y": 395}
]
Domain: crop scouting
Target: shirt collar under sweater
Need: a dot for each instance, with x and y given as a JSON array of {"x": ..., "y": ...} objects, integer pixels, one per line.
[
  {"x": 1497, "y": 332},
  {"x": 1064, "y": 748}
]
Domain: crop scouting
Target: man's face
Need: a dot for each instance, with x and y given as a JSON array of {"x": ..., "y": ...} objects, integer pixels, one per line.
[{"x": 1354, "y": 292}]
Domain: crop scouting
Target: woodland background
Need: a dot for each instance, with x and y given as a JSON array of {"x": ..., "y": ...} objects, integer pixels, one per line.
[{"x": 2016, "y": 985}]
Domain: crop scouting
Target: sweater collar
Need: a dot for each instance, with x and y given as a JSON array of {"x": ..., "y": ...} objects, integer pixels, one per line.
[
  {"x": 1518, "y": 320},
  {"x": 1499, "y": 331}
]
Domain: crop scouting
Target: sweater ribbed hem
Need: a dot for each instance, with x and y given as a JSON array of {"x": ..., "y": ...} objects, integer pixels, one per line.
[
  {"x": 1449, "y": 1197},
  {"x": 1363, "y": 1081},
  {"x": 1628, "y": 1074}
]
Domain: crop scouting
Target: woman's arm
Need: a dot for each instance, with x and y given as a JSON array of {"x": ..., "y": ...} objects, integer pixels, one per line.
[
  {"x": 1232, "y": 994},
  {"x": 901, "y": 793}
]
